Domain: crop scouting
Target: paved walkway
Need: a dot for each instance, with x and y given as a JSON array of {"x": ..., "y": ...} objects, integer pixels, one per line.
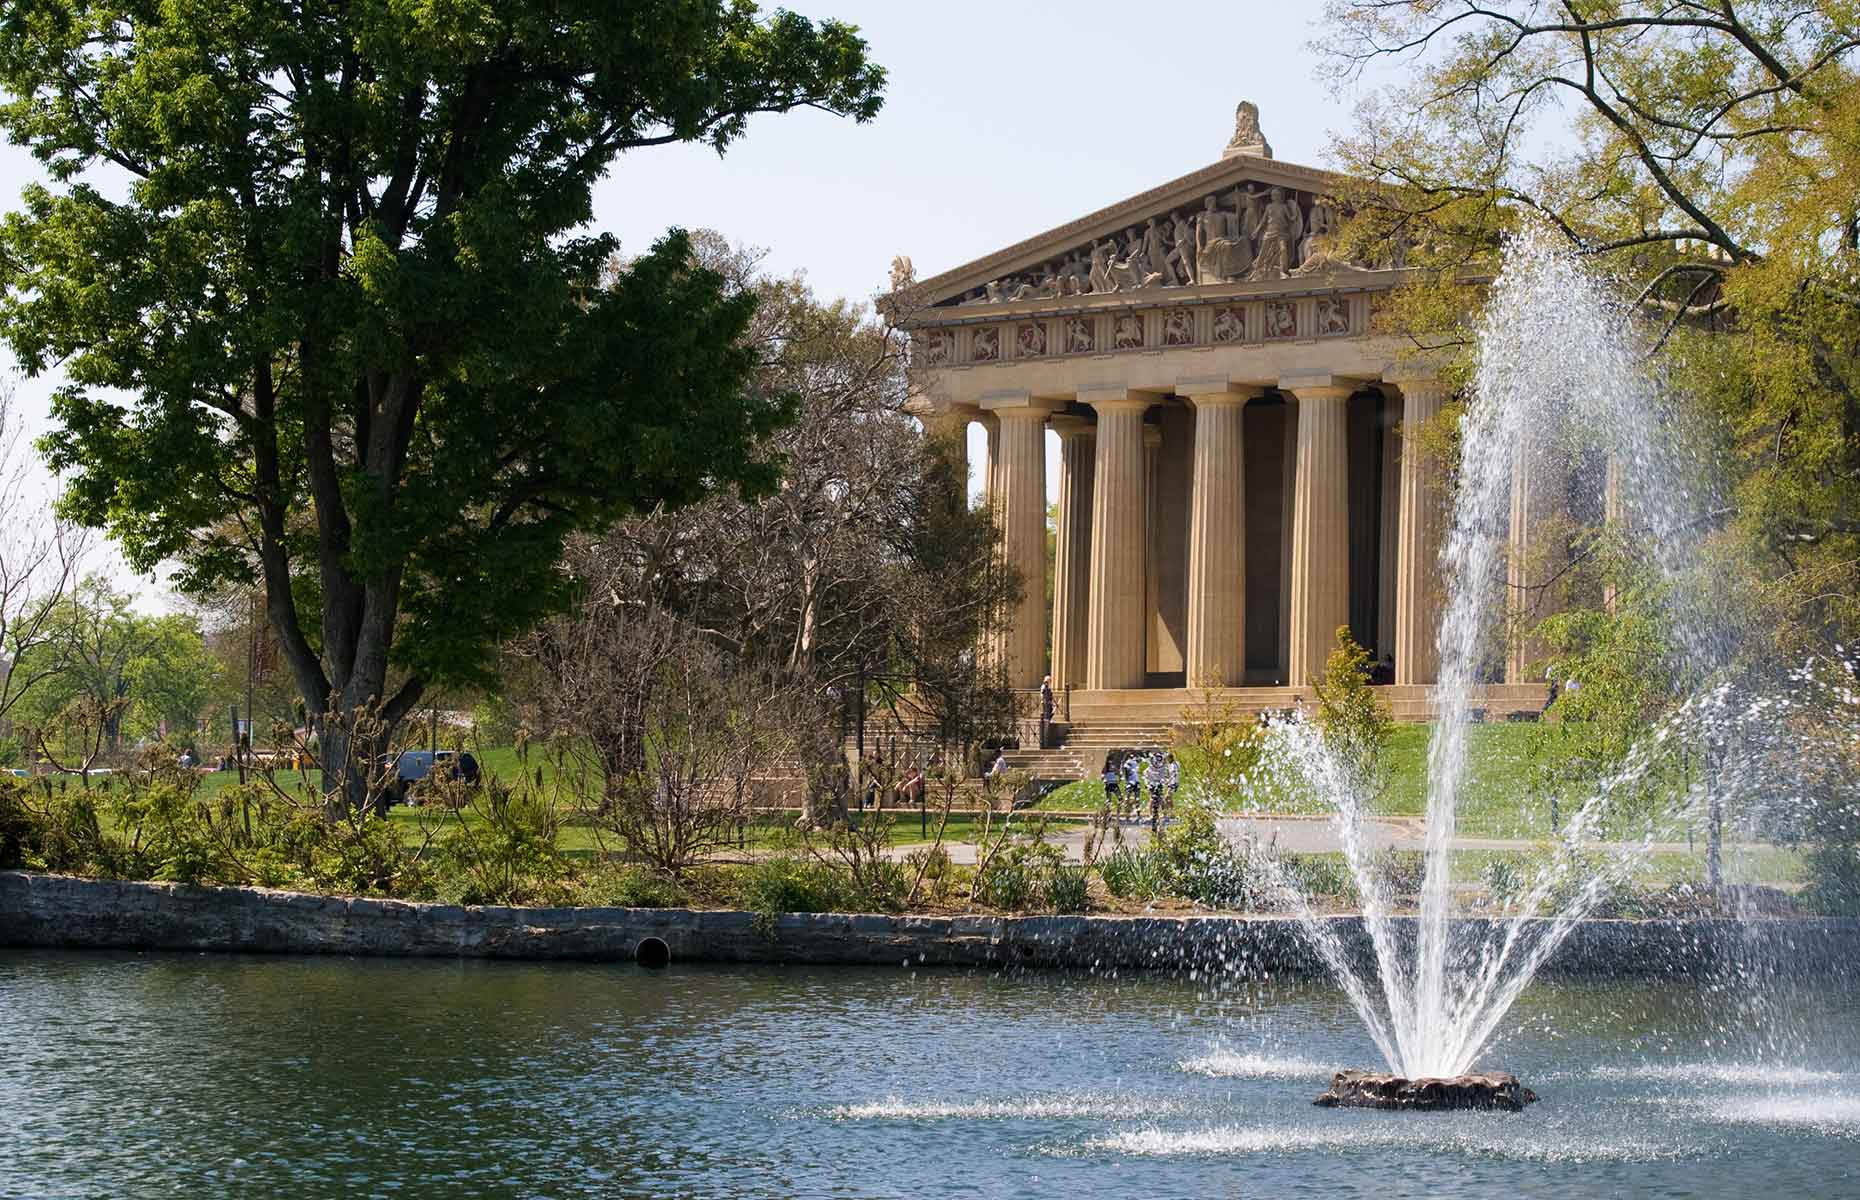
[{"x": 1307, "y": 835}]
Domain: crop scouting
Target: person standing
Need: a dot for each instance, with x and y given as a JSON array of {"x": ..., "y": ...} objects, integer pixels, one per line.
[{"x": 1110, "y": 782}]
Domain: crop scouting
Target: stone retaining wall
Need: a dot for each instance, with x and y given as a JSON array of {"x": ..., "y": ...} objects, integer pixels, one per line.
[{"x": 66, "y": 912}]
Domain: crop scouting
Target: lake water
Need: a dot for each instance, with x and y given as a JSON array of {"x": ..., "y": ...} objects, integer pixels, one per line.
[{"x": 206, "y": 1076}]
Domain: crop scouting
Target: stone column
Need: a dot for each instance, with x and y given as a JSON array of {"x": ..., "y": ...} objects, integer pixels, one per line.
[
  {"x": 1388, "y": 509},
  {"x": 1078, "y": 446},
  {"x": 991, "y": 454},
  {"x": 1533, "y": 584},
  {"x": 1288, "y": 499},
  {"x": 1217, "y": 538},
  {"x": 1152, "y": 556},
  {"x": 1320, "y": 526},
  {"x": 1417, "y": 561},
  {"x": 1020, "y": 506},
  {"x": 952, "y": 425},
  {"x": 1114, "y": 647}
]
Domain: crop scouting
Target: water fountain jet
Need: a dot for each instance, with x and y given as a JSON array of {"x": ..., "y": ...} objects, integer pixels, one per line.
[{"x": 1561, "y": 380}]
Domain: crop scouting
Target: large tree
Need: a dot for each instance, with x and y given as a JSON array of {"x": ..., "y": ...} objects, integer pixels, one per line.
[
  {"x": 319, "y": 275},
  {"x": 1706, "y": 153},
  {"x": 866, "y": 561}
]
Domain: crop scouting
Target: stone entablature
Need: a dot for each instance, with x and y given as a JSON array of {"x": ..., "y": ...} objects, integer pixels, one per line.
[{"x": 1224, "y": 320}]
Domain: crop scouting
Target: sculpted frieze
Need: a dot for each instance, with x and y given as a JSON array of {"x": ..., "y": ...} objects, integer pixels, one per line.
[
  {"x": 1333, "y": 316},
  {"x": 1281, "y": 319},
  {"x": 1127, "y": 332},
  {"x": 1249, "y": 234},
  {"x": 1030, "y": 340},
  {"x": 1081, "y": 338},
  {"x": 1178, "y": 327},
  {"x": 987, "y": 345}
]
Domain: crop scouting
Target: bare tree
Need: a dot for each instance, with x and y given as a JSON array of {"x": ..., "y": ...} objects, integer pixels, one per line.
[
  {"x": 867, "y": 561},
  {"x": 41, "y": 561},
  {"x": 680, "y": 733}
]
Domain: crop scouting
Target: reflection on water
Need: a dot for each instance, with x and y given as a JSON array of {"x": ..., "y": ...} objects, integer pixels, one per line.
[{"x": 126, "y": 1075}]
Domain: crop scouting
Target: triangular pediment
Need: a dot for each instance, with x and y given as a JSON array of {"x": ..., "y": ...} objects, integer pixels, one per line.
[{"x": 1244, "y": 220}]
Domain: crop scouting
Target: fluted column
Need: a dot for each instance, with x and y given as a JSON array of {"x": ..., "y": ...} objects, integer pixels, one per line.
[
  {"x": 1288, "y": 498},
  {"x": 1217, "y": 540},
  {"x": 1533, "y": 570},
  {"x": 1078, "y": 445},
  {"x": 1114, "y": 644},
  {"x": 1417, "y": 561},
  {"x": 1320, "y": 528},
  {"x": 951, "y": 425},
  {"x": 991, "y": 454},
  {"x": 1152, "y": 558},
  {"x": 1388, "y": 541},
  {"x": 1020, "y": 505}
]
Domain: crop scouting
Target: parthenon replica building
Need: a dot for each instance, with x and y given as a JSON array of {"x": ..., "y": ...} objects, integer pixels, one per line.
[{"x": 1233, "y": 486}]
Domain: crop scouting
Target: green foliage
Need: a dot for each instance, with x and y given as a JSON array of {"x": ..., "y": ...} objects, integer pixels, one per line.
[
  {"x": 940, "y": 876},
  {"x": 1834, "y": 880},
  {"x": 1320, "y": 875},
  {"x": 106, "y": 671},
  {"x": 1355, "y": 725},
  {"x": 1019, "y": 876},
  {"x": 1130, "y": 873},
  {"x": 344, "y": 327},
  {"x": 1068, "y": 888},
  {"x": 1200, "y": 864},
  {"x": 1220, "y": 751},
  {"x": 631, "y": 886},
  {"x": 505, "y": 849},
  {"x": 792, "y": 883},
  {"x": 1704, "y": 156},
  {"x": 1614, "y": 681}
]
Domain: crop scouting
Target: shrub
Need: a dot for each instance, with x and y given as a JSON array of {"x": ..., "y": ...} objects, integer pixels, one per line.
[
  {"x": 787, "y": 883},
  {"x": 1834, "y": 881},
  {"x": 1320, "y": 875},
  {"x": 939, "y": 874},
  {"x": 502, "y": 850},
  {"x": 1202, "y": 865},
  {"x": 1068, "y": 889},
  {"x": 1355, "y": 725},
  {"x": 630, "y": 886},
  {"x": 1133, "y": 874},
  {"x": 1019, "y": 874}
]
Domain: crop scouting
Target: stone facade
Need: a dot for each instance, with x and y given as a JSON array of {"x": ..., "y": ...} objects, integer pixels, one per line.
[{"x": 1170, "y": 340}]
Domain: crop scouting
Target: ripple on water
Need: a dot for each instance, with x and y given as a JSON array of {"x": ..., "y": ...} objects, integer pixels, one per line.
[
  {"x": 1496, "y": 1141},
  {"x": 1837, "y": 1114},
  {"x": 1747, "y": 1074},
  {"x": 1067, "y": 1106},
  {"x": 1226, "y": 1064}
]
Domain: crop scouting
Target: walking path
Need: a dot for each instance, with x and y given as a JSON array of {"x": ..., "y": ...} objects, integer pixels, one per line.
[{"x": 1307, "y": 835}]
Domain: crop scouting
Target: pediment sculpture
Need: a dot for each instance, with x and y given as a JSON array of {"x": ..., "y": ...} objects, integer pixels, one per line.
[{"x": 1251, "y": 233}]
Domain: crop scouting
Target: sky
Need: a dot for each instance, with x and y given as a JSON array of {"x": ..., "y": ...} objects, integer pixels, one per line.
[{"x": 1001, "y": 120}]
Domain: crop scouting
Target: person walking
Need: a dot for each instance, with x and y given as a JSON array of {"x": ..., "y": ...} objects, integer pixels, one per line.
[
  {"x": 1110, "y": 782},
  {"x": 1046, "y": 711}
]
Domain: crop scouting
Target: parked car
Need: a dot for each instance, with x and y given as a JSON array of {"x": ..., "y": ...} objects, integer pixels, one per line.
[{"x": 412, "y": 767}]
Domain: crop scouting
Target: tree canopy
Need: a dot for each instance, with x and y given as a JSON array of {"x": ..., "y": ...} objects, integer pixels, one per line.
[
  {"x": 1707, "y": 155},
  {"x": 343, "y": 324}
]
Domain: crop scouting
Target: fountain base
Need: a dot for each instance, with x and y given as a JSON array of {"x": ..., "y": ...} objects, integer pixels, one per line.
[{"x": 1369, "y": 1089}]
